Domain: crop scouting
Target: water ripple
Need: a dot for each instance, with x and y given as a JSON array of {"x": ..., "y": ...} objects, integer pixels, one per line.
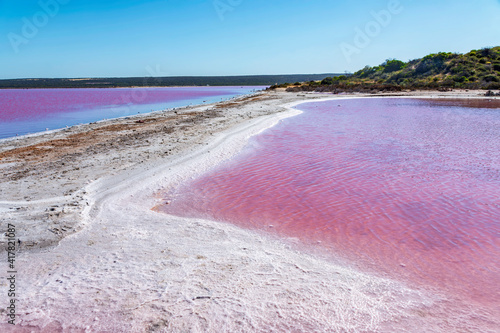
[{"x": 395, "y": 184}]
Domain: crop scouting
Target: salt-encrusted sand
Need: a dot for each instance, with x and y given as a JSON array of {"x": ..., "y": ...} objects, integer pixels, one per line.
[{"x": 95, "y": 258}]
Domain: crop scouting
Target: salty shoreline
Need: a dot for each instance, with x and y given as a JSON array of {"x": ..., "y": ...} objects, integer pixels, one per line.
[{"x": 81, "y": 200}]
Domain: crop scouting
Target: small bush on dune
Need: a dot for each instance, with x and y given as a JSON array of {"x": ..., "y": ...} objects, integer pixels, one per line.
[
  {"x": 493, "y": 86},
  {"x": 393, "y": 65},
  {"x": 486, "y": 52},
  {"x": 491, "y": 78},
  {"x": 327, "y": 81}
]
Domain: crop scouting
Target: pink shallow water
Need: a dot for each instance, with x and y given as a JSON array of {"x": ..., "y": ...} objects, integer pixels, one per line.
[
  {"x": 25, "y": 111},
  {"x": 407, "y": 187}
]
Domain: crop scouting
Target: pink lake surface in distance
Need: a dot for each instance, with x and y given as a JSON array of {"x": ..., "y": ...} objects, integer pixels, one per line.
[
  {"x": 406, "y": 187},
  {"x": 25, "y": 111}
]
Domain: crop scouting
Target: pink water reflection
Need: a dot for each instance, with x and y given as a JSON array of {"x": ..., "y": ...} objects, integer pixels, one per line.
[{"x": 408, "y": 187}]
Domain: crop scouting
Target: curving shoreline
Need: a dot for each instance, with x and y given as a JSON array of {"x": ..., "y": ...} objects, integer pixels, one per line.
[{"x": 124, "y": 267}]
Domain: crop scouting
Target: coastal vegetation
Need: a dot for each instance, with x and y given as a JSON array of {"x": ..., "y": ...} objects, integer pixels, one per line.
[{"x": 478, "y": 69}]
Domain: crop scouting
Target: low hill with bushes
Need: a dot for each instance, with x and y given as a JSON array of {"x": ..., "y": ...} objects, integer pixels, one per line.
[{"x": 478, "y": 69}]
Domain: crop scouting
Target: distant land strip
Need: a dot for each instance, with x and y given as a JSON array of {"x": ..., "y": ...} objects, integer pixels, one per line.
[{"x": 169, "y": 81}]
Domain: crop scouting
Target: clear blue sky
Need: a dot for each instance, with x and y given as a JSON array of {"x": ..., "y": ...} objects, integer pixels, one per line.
[{"x": 90, "y": 38}]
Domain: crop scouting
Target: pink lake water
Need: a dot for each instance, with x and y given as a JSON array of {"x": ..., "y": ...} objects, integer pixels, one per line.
[
  {"x": 405, "y": 187},
  {"x": 24, "y": 111}
]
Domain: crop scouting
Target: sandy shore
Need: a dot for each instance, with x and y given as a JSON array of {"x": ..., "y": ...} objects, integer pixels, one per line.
[{"x": 94, "y": 257}]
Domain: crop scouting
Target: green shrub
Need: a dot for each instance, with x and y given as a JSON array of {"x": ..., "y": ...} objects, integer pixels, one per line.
[
  {"x": 491, "y": 78},
  {"x": 327, "y": 81},
  {"x": 365, "y": 72},
  {"x": 493, "y": 85},
  {"x": 486, "y": 52},
  {"x": 459, "y": 79},
  {"x": 393, "y": 65}
]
